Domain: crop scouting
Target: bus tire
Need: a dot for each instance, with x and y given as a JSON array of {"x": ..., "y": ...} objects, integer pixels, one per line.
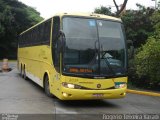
[
  {"x": 46, "y": 86},
  {"x": 21, "y": 71},
  {"x": 24, "y": 73}
]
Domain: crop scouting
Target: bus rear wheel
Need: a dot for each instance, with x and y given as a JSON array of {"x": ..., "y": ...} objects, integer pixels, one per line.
[
  {"x": 21, "y": 71},
  {"x": 24, "y": 73},
  {"x": 46, "y": 86}
]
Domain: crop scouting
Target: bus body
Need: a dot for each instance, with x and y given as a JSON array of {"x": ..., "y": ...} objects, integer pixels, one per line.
[{"x": 76, "y": 56}]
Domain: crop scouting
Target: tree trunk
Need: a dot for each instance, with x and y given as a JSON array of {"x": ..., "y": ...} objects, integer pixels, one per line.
[{"x": 122, "y": 7}]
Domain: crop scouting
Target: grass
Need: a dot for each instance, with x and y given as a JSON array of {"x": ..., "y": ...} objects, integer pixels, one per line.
[
  {"x": 9, "y": 60},
  {"x": 145, "y": 88}
]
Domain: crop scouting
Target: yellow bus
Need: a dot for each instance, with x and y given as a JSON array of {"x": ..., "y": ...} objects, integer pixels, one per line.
[{"x": 76, "y": 56}]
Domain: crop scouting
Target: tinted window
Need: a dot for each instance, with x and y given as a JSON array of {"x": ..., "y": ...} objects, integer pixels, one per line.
[
  {"x": 56, "y": 44},
  {"x": 39, "y": 35}
]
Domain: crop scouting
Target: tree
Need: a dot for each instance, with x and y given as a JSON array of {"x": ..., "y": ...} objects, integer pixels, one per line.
[
  {"x": 7, "y": 22},
  {"x": 138, "y": 24},
  {"x": 103, "y": 10},
  {"x": 107, "y": 10},
  {"x": 15, "y": 17},
  {"x": 122, "y": 7},
  {"x": 148, "y": 57}
]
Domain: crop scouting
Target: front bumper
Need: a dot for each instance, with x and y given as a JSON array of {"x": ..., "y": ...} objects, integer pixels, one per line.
[{"x": 80, "y": 94}]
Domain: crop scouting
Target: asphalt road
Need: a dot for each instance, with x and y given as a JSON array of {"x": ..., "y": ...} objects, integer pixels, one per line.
[{"x": 27, "y": 100}]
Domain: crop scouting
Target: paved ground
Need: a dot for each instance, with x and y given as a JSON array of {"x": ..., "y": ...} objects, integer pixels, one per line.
[{"x": 18, "y": 96}]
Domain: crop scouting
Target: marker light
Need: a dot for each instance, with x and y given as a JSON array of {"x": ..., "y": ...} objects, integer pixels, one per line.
[{"x": 120, "y": 84}]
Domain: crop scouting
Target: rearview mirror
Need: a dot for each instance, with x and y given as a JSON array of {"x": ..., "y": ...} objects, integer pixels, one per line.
[{"x": 62, "y": 40}]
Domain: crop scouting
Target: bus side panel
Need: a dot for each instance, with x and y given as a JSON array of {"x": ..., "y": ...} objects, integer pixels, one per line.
[{"x": 31, "y": 58}]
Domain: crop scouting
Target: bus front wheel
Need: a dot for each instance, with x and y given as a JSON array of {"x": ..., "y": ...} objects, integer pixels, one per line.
[{"x": 46, "y": 86}]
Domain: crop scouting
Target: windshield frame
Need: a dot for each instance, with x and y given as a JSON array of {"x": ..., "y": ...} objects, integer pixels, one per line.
[{"x": 91, "y": 75}]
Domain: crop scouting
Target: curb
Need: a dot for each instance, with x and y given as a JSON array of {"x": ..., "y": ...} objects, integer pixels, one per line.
[{"x": 143, "y": 93}]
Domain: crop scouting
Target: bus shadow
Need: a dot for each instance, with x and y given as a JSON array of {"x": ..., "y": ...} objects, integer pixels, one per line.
[{"x": 89, "y": 104}]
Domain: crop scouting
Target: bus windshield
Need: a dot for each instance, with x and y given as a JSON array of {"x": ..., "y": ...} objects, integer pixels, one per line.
[{"x": 93, "y": 47}]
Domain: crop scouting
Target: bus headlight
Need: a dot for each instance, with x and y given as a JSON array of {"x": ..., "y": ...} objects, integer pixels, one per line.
[
  {"x": 120, "y": 84},
  {"x": 72, "y": 86}
]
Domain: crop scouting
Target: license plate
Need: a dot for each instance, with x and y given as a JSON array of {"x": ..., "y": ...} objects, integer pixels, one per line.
[{"x": 98, "y": 95}]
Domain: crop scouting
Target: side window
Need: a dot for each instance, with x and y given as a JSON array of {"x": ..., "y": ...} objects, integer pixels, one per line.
[
  {"x": 45, "y": 29},
  {"x": 55, "y": 42},
  {"x": 39, "y": 35}
]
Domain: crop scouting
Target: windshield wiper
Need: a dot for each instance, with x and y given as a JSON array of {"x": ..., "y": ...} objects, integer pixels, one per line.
[
  {"x": 96, "y": 58},
  {"x": 109, "y": 66},
  {"x": 108, "y": 63}
]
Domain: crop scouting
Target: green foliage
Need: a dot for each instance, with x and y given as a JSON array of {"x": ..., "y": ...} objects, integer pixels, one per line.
[
  {"x": 138, "y": 25},
  {"x": 148, "y": 61},
  {"x": 148, "y": 57},
  {"x": 103, "y": 10},
  {"x": 15, "y": 17},
  {"x": 156, "y": 23}
]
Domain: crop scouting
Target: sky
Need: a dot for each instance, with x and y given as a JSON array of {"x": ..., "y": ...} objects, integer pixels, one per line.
[{"x": 48, "y": 8}]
